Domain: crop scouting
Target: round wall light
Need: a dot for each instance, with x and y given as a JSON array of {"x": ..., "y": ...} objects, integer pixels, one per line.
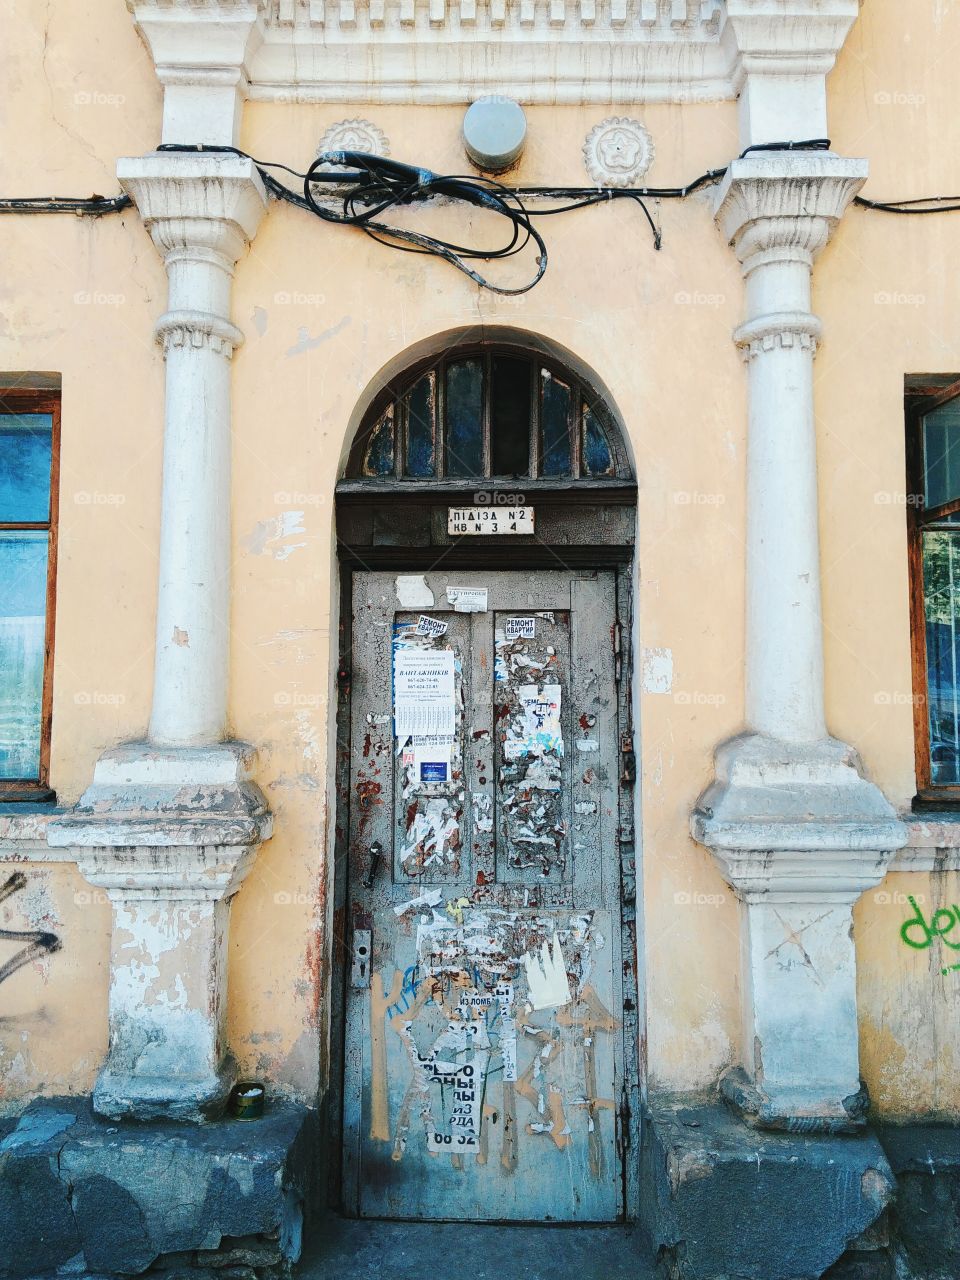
[{"x": 494, "y": 131}]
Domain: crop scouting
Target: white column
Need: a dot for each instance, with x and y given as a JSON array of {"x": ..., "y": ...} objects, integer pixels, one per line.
[
  {"x": 170, "y": 825},
  {"x": 201, "y": 212},
  {"x": 784, "y": 649},
  {"x": 794, "y": 826}
]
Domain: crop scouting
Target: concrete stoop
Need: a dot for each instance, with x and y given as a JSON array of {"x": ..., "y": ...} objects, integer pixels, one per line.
[
  {"x": 722, "y": 1200},
  {"x": 83, "y": 1196}
]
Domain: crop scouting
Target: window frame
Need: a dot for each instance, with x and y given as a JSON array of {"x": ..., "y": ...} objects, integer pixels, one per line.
[
  {"x": 397, "y": 392},
  {"x": 16, "y": 399}
]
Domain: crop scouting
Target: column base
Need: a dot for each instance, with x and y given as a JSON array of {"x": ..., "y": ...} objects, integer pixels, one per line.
[
  {"x": 795, "y": 1110},
  {"x": 123, "y": 1095},
  {"x": 782, "y": 796},
  {"x": 143, "y": 794}
]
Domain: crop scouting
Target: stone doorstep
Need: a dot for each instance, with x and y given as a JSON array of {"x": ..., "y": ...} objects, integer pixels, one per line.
[
  {"x": 80, "y": 1195},
  {"x": 722, "y": 1200}
]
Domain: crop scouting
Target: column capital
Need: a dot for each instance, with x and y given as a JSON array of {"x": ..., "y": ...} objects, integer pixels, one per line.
[
  {"x": 196, "y": 201},
  {"x": 783, "y": 206}
]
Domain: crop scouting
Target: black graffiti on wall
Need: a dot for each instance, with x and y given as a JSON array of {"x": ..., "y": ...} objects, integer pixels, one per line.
[{"x": 38, "y": 941}]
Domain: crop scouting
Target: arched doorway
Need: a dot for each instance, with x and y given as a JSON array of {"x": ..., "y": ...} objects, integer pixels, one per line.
[{"x": 486, "y": 868}]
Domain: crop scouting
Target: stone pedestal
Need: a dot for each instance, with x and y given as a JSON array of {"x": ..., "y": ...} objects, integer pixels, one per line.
[
  {"x": 169, "y": 835},
  {"x": 83, "y": 1198},
  {"x": 799, "y": 834}
]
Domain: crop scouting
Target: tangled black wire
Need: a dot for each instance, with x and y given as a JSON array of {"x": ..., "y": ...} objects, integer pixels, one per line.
[{"x": 352, "y": 188}]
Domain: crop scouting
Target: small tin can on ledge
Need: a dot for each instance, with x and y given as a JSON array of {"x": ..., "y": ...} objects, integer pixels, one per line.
[{"x": 246, "y": 1100}]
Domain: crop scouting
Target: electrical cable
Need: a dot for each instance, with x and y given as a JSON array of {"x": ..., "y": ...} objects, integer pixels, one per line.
[
  {"x": 909, "y": 206},
  {"x": 352, "y": 188},
  {"x": 93, "y": 205}
]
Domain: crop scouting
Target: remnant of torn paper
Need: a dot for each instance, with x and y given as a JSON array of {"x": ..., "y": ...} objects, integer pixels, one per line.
[
  {"x": 547, "y": 975},
  {"x": 413, "y": 592}
]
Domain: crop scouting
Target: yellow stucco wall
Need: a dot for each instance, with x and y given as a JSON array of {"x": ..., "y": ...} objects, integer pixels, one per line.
[{"x": 325, "y": 311}]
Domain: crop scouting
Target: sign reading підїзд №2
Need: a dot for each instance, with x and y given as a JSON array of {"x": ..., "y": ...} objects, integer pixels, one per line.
[{"x": 469, "y": 521}]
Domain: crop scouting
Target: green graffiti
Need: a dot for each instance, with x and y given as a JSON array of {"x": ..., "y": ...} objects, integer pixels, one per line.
[{"x": 941, "y": 923}]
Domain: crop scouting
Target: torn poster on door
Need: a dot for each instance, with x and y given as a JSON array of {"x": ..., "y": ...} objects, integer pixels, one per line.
[
  {"x": 537, "y": 731},
  {"x": 423, "y": 692},
  {"x": 521, "y": 628},
  {"x": 428, "y": 899},
  {"x": 468, "y": 599},
  {"x": 432, "y": 627},
  {"x": 481, "y": 975}
]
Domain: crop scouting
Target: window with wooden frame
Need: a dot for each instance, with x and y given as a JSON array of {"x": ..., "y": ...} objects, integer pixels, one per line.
[
  {"x": 490, "y": 411},
  {"x": 933, "y": 523},
  {"x": 29, "y": 466}
]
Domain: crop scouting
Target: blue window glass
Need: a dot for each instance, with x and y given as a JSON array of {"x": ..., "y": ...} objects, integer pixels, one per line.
[
  {"x": 464, "y": 414},
  {"x": 941, "y": 454},
  {"x": 597, "y": 458},
  {"x": 378, "y": 459},
  {"x": 421, "y": 429},
  {"x": 554, "y": 425},
  {"x": 23, "y": 598},
  {"x": 26, "y": 441}
]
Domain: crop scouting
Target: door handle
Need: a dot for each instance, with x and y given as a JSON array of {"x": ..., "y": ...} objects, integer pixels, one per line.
[{"x": 376, "y": 857}]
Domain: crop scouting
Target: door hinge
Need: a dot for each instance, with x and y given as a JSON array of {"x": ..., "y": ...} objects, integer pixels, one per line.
[
  {"x": 624, "y": 1119},
  {"x": 617, "y": 644}
]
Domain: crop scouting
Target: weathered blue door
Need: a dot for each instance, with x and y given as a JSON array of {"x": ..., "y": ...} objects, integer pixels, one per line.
[{"x": 484, "y": 1040}]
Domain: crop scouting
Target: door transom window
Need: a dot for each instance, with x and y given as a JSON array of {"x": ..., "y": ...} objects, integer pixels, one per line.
[{"x": 488, "y": 412}]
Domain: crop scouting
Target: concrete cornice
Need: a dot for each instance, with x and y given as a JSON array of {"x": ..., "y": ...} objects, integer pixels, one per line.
[{"x": 432, "y": 51}]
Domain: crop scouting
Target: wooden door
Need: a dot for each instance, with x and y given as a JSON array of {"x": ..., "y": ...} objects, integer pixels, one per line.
[{"x": 484, "y": 1041}]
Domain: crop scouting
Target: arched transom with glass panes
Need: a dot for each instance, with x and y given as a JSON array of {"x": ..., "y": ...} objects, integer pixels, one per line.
[{"x": 491, "y": 412}]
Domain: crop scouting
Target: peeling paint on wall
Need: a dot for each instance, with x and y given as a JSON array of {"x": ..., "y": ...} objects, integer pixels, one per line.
[
  {"x": 271, "y": 537},
  {"x": 656, "y": 670},
  {"x": 38, "y": 942}
]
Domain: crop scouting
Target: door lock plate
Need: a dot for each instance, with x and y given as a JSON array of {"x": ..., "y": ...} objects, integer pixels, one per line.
[{"x": 362, "y": 948}]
